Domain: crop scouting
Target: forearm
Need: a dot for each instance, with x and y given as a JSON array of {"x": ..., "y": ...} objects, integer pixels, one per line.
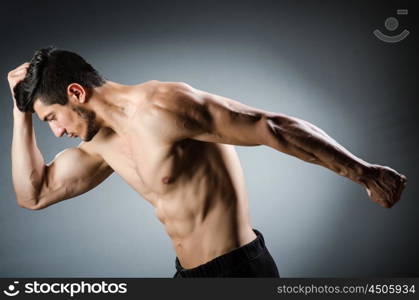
[
  {"x": 309, "y": 143},
  {"x": 27, "y": 161}
]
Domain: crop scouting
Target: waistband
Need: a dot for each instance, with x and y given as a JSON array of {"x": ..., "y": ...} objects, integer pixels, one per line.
[{"x": 226, "y": 261}]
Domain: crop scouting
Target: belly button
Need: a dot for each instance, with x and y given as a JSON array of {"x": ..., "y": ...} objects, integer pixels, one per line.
[{"x": 168, "y": 179}]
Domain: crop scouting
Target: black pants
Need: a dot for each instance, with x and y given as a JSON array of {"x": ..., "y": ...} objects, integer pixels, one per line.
[{"x": 250, "y": 260}]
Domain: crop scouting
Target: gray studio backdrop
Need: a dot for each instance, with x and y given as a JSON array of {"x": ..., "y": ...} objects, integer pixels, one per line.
[{"x": 315, "y": 60}]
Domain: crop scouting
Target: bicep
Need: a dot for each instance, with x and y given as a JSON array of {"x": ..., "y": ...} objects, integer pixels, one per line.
[{"x": 74, "y": 171}]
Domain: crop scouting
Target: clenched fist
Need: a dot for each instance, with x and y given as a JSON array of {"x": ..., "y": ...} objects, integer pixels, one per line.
[{"x": 15, "y": 76}]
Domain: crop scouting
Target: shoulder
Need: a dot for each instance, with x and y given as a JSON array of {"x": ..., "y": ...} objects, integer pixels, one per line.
[
  {"x": 176, "y": 111},
  {"x": 164, "y": 95},
  {"x": 171, "y": 86},
  {"x": 177, "y": 98}
]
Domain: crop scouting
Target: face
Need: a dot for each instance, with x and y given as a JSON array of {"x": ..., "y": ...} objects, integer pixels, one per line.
[{"x": 72, "y": 120}]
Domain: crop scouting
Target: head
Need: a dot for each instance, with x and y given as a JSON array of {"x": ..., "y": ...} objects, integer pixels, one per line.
[{"x": 58, "y": 87}]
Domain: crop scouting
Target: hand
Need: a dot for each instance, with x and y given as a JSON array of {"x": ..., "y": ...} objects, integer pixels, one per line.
[
  {"x": 384, "y": 185},
  {"x": 15, "y": 76}
]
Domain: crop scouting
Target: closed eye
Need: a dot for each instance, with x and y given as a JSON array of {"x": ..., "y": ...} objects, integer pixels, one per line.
[{"x": 49, "y": 118}]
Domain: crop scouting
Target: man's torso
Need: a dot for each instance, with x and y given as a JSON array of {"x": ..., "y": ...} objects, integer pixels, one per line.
[{"x": 197, "y": 188}]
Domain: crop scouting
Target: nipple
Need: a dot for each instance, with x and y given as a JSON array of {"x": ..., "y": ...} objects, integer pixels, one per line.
[{"x": 168, "y": 179}]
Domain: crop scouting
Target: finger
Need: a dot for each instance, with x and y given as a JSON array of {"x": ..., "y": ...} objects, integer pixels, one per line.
[
  {"x": 20, "y": 71},
  {"x": 18, "y": 74},
  {"x": 23, "y": 66}
]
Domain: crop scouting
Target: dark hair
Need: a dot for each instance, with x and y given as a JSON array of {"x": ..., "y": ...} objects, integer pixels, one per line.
[{"x": 50, "y": 72}]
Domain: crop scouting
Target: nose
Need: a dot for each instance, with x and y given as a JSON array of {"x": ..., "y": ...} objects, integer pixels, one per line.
[{"x": 58, "y": 131}]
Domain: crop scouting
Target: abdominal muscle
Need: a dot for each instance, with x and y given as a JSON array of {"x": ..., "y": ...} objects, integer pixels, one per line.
[
  {"x": 197, "y": 190},
  {"x": 205, "y": 210}
]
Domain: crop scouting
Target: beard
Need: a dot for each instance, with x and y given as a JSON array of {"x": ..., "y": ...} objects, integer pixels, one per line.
[{"x": 89, "y": 117}]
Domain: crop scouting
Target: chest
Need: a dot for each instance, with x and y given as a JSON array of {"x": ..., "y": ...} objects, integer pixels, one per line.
[{"x": 151, "y": 167}]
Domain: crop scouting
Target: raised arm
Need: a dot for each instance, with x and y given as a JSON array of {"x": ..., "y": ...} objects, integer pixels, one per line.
[
  {"x": 38, "y": 185},
  {"x": 212, "y": 118}
]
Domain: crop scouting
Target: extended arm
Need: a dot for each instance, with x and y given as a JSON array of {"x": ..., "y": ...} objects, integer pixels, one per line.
[{"x": 213, "y": 118}]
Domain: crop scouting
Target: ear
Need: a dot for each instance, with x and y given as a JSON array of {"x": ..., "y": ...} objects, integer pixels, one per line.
[{"x": 76, "y": 93}]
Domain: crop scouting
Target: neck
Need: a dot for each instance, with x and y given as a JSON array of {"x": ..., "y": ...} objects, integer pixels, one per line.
[{"x": 112, "y": 103}]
